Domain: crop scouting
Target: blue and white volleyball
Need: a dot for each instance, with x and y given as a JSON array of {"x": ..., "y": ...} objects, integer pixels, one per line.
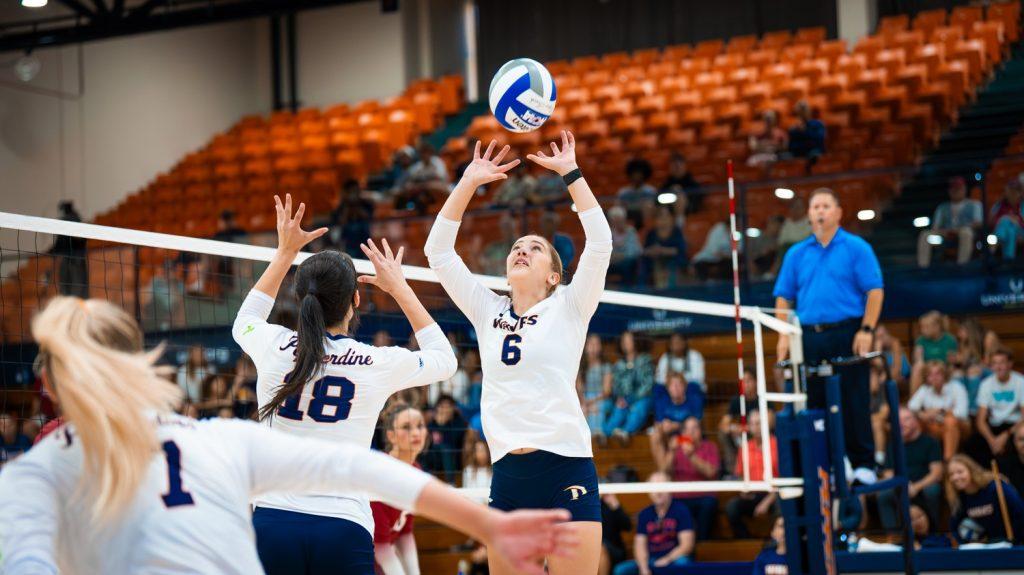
[{"x": 522, "y": 95}]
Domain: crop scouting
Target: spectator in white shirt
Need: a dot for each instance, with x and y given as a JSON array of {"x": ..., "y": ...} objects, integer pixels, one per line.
[
  {"x": 957, "y": 220},
  {"x": 680, "y": 357},
  {"x": 712, "y": 258},
  {"x": 424, "y": 181},
  {"x": 192, "y": 373},
  {"x": 1000, "y": 398},
  {"x": 941, "y": 405},
  {"x": 477, "y": 471}
]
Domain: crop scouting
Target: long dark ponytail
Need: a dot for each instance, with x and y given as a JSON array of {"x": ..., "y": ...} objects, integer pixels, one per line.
[{"x": 325, "y": 285}]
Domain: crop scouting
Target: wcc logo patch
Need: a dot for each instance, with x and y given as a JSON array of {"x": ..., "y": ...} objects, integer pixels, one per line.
[{"x": 576, "y": 490}]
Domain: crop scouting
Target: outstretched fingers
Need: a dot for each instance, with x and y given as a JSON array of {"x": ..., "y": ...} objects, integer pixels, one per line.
[
  {"x": 476, "y": 151},
  {"x": 565, "y": 140},
  {"x": 506, "y": 167},
  {"x": 387, "y": 249},
  {"x": 490, "y": 150},
  {"x": 572, "y": 139},
  {"x": 501, "y": 154},
  {"x": 554, "y": 149}
]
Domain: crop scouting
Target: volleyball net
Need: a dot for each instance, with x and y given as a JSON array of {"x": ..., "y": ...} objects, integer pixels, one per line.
[{"x": 185, "y": 292}]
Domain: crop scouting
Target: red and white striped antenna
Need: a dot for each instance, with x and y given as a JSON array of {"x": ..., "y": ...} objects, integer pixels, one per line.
[{"x": 734, "y": 242}]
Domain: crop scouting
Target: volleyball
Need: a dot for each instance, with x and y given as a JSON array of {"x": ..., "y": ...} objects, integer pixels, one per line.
[{"x": 522, "y": 95}]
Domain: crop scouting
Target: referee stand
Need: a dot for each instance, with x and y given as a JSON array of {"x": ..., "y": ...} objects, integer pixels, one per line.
[{"x": 812, "y": 445}]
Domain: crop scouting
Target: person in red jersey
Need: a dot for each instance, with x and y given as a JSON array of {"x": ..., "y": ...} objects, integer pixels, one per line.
[{"x": 394, "y": 546}]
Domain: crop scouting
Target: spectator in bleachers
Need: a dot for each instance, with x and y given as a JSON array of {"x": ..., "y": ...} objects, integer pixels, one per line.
[
  {"x": 562, "y": 243},
  {"x": 393, "y": 179},
  {"x": 1011, "y": 464},
  {"x": 957, "y": 220},
  {"x": 765, "y": 149},
  {"x": 216, "y": 396},
  {"x": 879, "y": 408},
  {"x": 941, "y": 406},
  {"x": 892, "y": 348},
  {"x": 224, "y": 268},
  {"x": 350, "y": 220},
  {"x": 681, "y": 358},
  {"x": 772, "y": 559},
  {"x": 688, "y": 457},
  {"x": 976, "y": 512},
  {"x": 381, "y": 338},
  {"x": 935, "y": 342},
  {"x": 795, "y": 229},
  {"x": 1000, "y": 400},
  {"x": 729, "y": 429},
  {"x": 638, "y": 195},
  {"x": 664, "y": 252},
  {"x": 713, "y": 259},
  {"x": 682, "y": 183},
  {"x": 807, "y": 138},
  {"x": 518, "y": 191},
  {"x": 244, "y": 387},
  {"x": 425, "y": 180},
  {"x": 73, "y": 271},
  {"x": 763, "y": 248},
  {"x": 629, "y": 406},
  {"x": 550, "y": 187},
  {"x": 492, "y": 258},
  {"x": 614, "y": 520},
  {"x": 993, "y": 345},
  {"x": 924, "y": 470},
  {"x": 664, "y": 534},
  {"x": 757, "y": 504},
  {"x": 12, "y": 441},
  {"x": 477, "y": 473},
  {"x": 626, "y": 247},
  {"x": 193, "y": 373},
  {"x": 970, "y": 363},
  {"x": 1007, "y": 219},
  {"x": 672, "y": 410},
  {"x": 594, "y": 385},
  {"x": 447, "y": 430},
  {"x": 924, "y": 535},
  {"x": 456, "y": 386}
]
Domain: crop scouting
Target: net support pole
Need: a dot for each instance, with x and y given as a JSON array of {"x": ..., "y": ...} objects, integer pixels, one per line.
[
  {"x": 734, "y": 244},
  {"x": 762, "y": 404}
]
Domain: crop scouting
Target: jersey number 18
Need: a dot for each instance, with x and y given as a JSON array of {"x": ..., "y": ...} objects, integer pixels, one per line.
[{"x": 331, "y": 391}]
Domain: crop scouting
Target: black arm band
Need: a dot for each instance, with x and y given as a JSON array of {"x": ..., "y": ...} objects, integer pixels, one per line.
[{"x": 572, "y": 177}]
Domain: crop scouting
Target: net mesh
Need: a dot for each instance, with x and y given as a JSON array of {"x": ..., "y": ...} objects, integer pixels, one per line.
[{"x": 185, "y": 293}]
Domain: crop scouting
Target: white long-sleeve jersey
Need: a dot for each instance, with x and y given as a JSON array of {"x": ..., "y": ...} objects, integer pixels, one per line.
[
  {"x": 530, "y": 362},
  {"x": 343, "y": 406},
  {"x": 191, "y": 512}
]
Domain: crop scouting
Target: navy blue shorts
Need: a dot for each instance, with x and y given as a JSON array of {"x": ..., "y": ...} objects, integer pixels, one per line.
[
  {"x": 291, "y": 543},
  {"x": 545, "y": 480}
]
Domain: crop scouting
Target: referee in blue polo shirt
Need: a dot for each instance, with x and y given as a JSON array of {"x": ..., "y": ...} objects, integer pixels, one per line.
[{"x": 835, "y": 283}]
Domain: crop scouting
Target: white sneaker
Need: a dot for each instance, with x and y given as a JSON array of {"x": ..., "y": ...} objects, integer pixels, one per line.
[{"x": 865, "y": 476}]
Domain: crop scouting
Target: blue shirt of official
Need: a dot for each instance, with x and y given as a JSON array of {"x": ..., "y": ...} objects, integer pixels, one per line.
[{"x": 829, "y": 284}]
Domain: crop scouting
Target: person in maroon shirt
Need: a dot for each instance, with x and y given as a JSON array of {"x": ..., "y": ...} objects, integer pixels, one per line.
[
  {"x": 691, "y": 458},
  {"x": 1007, "y": 219},
  {"x": 394, "y": 546}
]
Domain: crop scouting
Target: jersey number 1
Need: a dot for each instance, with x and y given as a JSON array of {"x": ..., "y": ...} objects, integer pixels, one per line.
[
  {"x": 341, "y": 401},
  {"x": 510, "y": 352},
  {"x": 175, "y": 495}
]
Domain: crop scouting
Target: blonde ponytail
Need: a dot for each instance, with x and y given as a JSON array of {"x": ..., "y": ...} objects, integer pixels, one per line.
[{"x": 108, "y": 388}]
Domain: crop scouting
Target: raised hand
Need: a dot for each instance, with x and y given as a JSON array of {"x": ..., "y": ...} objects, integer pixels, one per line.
[
  {"x": 524, "y": 538},
  {"x": 563, "y": 160},
  {"x": 387, "y": 265},
  {"x": 290, "y": 235},
  {"x": 484, "y": 169}
]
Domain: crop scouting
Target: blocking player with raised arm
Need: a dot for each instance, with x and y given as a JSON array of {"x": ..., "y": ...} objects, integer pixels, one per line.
[
  {"x": 319, "y": 382},
  {"x": 530, "y": 343},
  {"x": 127, "y": 486}
]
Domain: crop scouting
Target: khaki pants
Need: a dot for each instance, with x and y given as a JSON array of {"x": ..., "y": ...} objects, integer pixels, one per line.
[{"x": 964, "y": 249}]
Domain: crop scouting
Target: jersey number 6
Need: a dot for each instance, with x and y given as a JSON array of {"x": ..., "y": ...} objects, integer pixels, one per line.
[
  {"x": 510, "y": 352},
  {"x": 331, "y": 391}
]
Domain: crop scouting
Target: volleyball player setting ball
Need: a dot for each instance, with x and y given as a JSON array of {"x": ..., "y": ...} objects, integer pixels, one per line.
[
  {"x": 127, "y": 486},
  {"x": 394, "y": 545},
  {"x": 530, "y": 343},
  {"x": 319, "y": 382}
]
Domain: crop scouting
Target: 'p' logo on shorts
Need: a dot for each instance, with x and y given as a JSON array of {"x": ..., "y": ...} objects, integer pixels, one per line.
[{"x": 576, "y": 491}]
